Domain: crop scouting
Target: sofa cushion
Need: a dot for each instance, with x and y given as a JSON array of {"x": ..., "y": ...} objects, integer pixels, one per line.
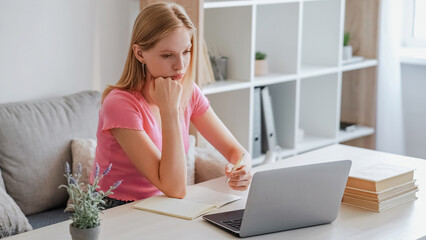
[
  {"x": 1, "y": 181},
  {"x": 48, "y": 218},
  {"x": 12, "y": 220},
  {"x": 35, "y": 143}
]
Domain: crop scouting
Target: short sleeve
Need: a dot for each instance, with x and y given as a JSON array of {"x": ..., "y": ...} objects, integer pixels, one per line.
[
  {"x": 199, "y": 102},
  {"x": 121, "y": 109}
]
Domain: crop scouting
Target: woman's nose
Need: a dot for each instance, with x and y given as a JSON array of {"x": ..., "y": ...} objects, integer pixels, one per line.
[{"x": 179, "y": 64}]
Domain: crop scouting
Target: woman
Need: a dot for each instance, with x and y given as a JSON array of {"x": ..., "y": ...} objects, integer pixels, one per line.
[{"x": 144, "y": 120}]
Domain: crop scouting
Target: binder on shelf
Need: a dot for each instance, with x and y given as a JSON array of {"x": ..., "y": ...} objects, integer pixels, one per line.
[
  {"x": 257, "y": 124},
  {"x": 268, "y": 127}
]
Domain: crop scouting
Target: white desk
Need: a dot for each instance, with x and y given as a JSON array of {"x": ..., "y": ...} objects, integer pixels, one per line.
[{"x": 404, "y": 222}]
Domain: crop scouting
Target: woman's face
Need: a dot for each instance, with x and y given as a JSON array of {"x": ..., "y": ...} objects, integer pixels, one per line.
[{"x": 170, "y": 57}]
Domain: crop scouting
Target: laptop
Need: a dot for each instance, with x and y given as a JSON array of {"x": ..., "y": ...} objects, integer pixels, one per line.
[{"x": 288, "y": 198}]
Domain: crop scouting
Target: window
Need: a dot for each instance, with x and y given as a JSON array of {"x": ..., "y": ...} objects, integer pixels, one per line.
[{"x": 414, "y": 27}]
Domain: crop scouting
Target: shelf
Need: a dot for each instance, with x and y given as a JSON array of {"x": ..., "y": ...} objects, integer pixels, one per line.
[
  {"x": 273, "y": 78},
  {"x": 308, "y": 70},
  {"x": 310, "y": 87},
  {"x": 361, "y": 131},
  {"x": 225, "y": 86},
  {"x": 223, "y": 4},
  {"x": 284, "y": 153},
  {"x": 266, "y": 2},
  {"x": 257, "y": 161},
  {"x": 313, "y": 142},
  {"x": 359, "y": 65}
]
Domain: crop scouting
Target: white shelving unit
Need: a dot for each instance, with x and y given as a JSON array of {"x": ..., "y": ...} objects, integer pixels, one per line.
[
  {"x": 361, "y": 131},
  {"x": 303, "y": 42},
  {"x": 359, "y": 65}
]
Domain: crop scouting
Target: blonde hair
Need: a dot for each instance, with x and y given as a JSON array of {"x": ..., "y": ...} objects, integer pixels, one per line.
[{"x": 155, "y": 22}]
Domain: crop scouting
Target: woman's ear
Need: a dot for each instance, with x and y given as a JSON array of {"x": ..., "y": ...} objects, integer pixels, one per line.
[{"x": 137, "y": 51}]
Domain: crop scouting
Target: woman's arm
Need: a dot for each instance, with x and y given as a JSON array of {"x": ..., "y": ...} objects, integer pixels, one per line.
[
  {"x": 212, "y": 128},
  {"x": 165, "y": 169}
]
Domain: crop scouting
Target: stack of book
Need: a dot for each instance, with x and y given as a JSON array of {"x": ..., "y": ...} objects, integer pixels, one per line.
[{"x": 380, "y": 187}]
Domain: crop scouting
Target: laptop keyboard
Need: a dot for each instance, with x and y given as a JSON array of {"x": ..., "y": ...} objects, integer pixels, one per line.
[{"x": 234, "y": 223}]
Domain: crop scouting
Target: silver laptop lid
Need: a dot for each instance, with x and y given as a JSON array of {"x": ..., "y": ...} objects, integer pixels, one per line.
[{"x": 294, "y": 197}]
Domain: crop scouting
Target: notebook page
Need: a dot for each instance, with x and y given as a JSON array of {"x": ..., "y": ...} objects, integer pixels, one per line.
[
  {"x": 174, "y": 207},
  {"x": 204, "y": 195}
]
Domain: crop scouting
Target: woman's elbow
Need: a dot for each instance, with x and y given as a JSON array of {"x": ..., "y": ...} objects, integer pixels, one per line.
[{"x": 176, "y": 192}]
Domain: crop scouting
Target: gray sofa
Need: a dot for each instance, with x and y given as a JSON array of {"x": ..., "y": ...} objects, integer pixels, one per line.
[{"x": 35, "y": 143}]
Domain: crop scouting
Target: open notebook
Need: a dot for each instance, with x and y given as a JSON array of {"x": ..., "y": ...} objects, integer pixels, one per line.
[{"x": 198, "y": 201}]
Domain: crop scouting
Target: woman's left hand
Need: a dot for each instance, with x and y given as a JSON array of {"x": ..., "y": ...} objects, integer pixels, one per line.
[{"x": 240, "y": 178}]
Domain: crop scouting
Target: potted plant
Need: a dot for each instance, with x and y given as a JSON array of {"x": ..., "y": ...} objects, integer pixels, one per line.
[
  {"x": 261, "y": 65},
  {"x": 347, "y": 49},
  {"x": 87, "y": 203}
]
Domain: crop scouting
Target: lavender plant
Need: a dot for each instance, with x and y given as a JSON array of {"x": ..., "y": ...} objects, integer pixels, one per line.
[{"x": 86, "y": 204}]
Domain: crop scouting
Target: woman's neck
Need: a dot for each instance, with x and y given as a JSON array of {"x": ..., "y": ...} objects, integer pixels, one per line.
[{"x": 145, "y": 89}]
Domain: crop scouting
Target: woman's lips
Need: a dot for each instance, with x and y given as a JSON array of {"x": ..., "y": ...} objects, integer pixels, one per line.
[{"x": 177, "y": 77}]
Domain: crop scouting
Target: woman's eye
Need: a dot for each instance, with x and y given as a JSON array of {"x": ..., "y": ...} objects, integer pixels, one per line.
[
  {"x": 187, "y": 51},
  {"x": 166, "y": 55}
]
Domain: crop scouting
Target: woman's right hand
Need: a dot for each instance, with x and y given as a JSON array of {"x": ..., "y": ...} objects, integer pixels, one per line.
[{"x": 166, "y": 94}]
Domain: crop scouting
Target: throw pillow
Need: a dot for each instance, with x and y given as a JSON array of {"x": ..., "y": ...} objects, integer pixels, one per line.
[
  {"x": 190, "y": 161},
  {"x": 82, "y": 151},
  {"x": 209, "y": 164},
  {"x": 12, "y": 220}
]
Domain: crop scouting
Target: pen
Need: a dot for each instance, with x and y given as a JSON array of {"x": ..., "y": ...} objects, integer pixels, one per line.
[{"x": 236, "y": 166}]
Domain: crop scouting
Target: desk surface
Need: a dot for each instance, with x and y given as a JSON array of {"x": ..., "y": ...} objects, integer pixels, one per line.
[{"x": 402, "y": 222}]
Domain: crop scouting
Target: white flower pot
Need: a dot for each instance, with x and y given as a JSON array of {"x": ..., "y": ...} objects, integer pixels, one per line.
[
  {"x": 347, "y": 52},
  {"x": 85, "y": 234},
  {"x": 261, "y": 67}
]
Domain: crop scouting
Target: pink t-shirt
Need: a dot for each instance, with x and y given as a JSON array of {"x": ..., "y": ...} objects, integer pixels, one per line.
[{"x": 130, "y": 110}]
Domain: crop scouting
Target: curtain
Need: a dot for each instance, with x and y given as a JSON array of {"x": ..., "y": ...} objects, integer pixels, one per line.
[{"x": 389, "y": 126}]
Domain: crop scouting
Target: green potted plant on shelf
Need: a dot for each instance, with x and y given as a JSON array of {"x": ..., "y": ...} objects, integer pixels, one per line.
[
  {"x": 347, "y": 49},
  {"x": 86, "y": 203},
  {"x": 261, "y": 65}
]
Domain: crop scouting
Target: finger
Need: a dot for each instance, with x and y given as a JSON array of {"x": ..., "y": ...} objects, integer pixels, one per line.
[
  {"x": 241, "y": 178},
  {"x": 228, "y": 168},
  {"x": 156, "y": 82},
  {"x": 239, "y": 182},
  {"x": 239, "y": 188},
  {"x": 243, "y": 168},
  {"x": 240, "y": 172}
]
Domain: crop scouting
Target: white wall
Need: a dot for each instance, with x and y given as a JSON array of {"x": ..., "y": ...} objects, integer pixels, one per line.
[
  {"x": 56, "y": 47},
  {"x": 114, "y": 23},
  {"x": 414, "y": 109}
]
